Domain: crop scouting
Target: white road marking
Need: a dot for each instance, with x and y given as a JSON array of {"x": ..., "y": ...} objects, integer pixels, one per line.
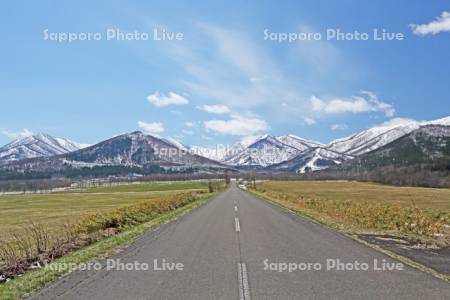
[
  {"x": 244, "y": 290},
  {"x": 235, "y": 208},
  {"x": 241, "y": 284},
  {"x": 236, "y": 225},
  {"x": 245, "y": 282}
]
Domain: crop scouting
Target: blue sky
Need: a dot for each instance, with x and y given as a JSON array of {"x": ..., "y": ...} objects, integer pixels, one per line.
[{"x": 223, "y": 81}]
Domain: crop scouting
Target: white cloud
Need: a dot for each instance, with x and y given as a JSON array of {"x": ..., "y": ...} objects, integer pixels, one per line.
[
  {"x": 309, "y": 121},
  {"x": 160, "y": 100},
  {"x": 215, "y": 109},
  {"x": 190, "y": 124},
  {"x": 339, "y": 127},
  {"x": 355, "y": 104},
  {"x": 233, "y": 67},
  {"x": 441, "y": 24},
  {"x": 317, "y": 104},
  {"x": 230, "y": 72},
  {"x": 151, "y": 128},
  {"x": 17, "y": 134},
  {"x": 238, "y": 125}
]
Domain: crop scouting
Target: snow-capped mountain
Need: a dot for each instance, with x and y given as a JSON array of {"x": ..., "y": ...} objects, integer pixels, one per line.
[
  {"x": 345, "y": 149},
  {"x": 133, "y": 150},
  {"x": 257, "y": 151},
  {"x": 38, "y": 145},
  {"x": 138, "y": 149},
  {"x": 177, "y": 143},
  {"x": 378, "y": 136},
  {"x": 298, "y": 142},
  {"x": 217, "y": 153},
  {"x": 222, "y": 152},
  {"x": 268, "y": 150},
  {"x": 311, "y": 160},
  {"x": 272, "y": 153},
  {"x": 429, "y": 144}
]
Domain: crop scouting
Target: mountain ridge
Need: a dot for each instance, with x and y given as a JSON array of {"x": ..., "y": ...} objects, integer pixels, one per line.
[
  {"x": 267, "y": 152},
  {"x": 37, "y": 145},
  {"x": 120, "y": 154}
]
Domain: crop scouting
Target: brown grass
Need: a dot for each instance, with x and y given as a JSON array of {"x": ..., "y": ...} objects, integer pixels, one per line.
[
  {"x": 56, "y": 209},
  {"x": 38, "y": 244},
  {"x": 366, "y": 206}
]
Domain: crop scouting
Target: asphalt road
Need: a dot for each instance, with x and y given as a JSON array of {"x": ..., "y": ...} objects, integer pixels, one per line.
[{"x": 234, "y": 248}]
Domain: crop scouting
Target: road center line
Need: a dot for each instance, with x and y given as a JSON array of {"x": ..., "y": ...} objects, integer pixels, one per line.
[
  {"x": 244, "y": 290},
  {"x": 235, "y": 208},
  {"x": 236, "y": 225}
]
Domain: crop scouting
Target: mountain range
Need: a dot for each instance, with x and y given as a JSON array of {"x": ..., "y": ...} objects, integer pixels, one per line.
[
  {"x": 37, "y": 146},
  {"x": 427, "y": 145},
  {"x": 132, "y": 151},
  {"x": 295, "y": 154},
  {"x": 127, "y": 153}
]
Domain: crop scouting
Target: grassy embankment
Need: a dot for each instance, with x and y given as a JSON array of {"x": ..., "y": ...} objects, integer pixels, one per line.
[
  {"x": 420, "y": 213},
  {"x": 78, "y": 227}
]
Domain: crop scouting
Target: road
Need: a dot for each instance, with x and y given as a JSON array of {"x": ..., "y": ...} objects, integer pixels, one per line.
[{"x": 222, "y": 247}]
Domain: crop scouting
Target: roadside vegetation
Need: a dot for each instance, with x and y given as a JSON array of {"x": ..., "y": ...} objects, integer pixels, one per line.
[
  {"x": 422, "y": 213},
  {"x": 41, "y": 240},
  {"x": 149, "y": 187},
  {"x": 56, "y": 209}
]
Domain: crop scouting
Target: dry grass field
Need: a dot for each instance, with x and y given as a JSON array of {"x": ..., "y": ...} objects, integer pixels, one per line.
[
  {"x": 41, "y": 227},
  {"x": 437, "y": 200},
  {"x": 56, "y": 209},
  {"x": 366, "y": 207}
]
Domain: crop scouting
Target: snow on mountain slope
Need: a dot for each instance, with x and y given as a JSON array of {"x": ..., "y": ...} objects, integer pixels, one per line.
[
  {"x": 345, "y": 149},
  {"x": 38, "y": 145},
  {"x": 223, "y": 152},
  {"x": 321, "y": 159},
  {"x": 425, "y": 146},
  {"x": 128, "y": 150},
  {"x": 254, "y": 151},
  {"x": 442, "y": 121},
  {"x": 378, "y": 136},
  {"x": 177, "y": 143},
  {"x": 268, "y": 150},
  {"x": 262, "y": 151},
  {"x": 298, "y": 142},
  {"x": 71, "y": 145},
  {"x": 311, "y": 160},
  {"x": 138, "y": 149},
  {"x": 218, "y": 153}
]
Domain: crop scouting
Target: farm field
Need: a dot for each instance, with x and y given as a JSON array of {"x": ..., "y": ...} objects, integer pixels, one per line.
[
  {"x": 149, "y": 187},
  {"x": 56, "y": 209},
  {"x": 358, "y": 207},
  {"x": 437, "y": 200}
]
